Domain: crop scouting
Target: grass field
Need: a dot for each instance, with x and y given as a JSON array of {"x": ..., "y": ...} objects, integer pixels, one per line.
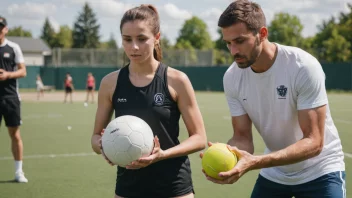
[{"x": 60, "y": 163}]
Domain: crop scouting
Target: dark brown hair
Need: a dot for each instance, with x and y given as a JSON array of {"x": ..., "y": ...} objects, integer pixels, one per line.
[
  {"x": 145, "y": 13},
  {"x": 243, "y": 11}
]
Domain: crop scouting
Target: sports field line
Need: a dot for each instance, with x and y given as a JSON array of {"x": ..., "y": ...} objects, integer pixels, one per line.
[
  {"x": 349, "y": 155},
  {"x": 342, "y": 110},
  {"x": 52, "y": 156},
  {"x": 77, "y": 155},
  {"x": 41, "y": 116},
  {"x": 343, "y": 121}
]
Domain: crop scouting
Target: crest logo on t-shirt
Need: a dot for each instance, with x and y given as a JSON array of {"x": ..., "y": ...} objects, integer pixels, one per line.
[
  {"x": 281, "y": 91},
  {"x": 159, "y": 99}
]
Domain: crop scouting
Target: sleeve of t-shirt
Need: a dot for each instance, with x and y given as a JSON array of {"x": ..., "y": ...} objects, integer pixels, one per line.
[
  {"x": 18, "y": 54},
  {"x": 310, "y": 84},
  {"x": 235, "y": 106}
]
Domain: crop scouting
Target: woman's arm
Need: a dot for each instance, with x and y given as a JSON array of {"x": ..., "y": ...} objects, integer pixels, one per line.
[
  {"x": 181, "y": 89},
  {"x": 104, "y": 110}
]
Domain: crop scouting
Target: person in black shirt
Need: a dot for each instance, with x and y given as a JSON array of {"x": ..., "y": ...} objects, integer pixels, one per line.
[
  {"x": 11, "y": 67},
  {"x": 159, "y": 95}
]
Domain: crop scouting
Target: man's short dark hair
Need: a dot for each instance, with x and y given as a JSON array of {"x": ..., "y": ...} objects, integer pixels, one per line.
[
  {"x": 244, "y": 11},
  {"x": 3, "y": 21}
]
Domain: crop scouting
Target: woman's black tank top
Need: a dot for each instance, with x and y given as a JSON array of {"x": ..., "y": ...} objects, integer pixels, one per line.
[{"x": 154, "y": 104}]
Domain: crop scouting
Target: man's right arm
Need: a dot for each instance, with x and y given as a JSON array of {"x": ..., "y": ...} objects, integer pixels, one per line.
[
  {"x": 242, "y": 133},
  {"x": 241, "y": 123}
]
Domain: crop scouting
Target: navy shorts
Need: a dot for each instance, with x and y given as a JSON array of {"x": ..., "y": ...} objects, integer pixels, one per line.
[
  {"x": 331, "y": 185},
  {"x": 68, "y": 89},
  {"x": 10, "y": 110}
]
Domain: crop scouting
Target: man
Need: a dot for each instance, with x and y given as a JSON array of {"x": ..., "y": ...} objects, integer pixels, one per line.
[
  {"x": 281, "y": 90},
  {"x": 11, "y": 67}
]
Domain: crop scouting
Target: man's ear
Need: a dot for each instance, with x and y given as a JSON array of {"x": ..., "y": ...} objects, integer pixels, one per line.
[{"x": 263, "y": 33}]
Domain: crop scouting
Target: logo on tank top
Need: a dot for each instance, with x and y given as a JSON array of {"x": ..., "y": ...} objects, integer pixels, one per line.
[
  {"x": 6, "y": 55},
  {"x": 159, "y": 99},
  {"x": 121, "y": 100},
  {"x": 281, "y": 91}
]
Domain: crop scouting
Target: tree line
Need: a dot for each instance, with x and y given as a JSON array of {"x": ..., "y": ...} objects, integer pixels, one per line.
[{"x": 332, "y": 42}]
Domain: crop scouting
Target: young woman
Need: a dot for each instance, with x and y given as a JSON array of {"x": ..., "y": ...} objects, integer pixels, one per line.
[
  {"x": 90, "y": 86},
  {"x": 68, "y": 84},
  {"x": 158, "y": 94}
]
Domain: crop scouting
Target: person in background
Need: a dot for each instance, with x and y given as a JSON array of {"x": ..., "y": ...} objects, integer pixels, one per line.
[
  {"x": 40, "y": 87},
  {"x": 12, "y": 67},
  {"x": 68, "y": 84},
  {"x": 90, "y": 86}
]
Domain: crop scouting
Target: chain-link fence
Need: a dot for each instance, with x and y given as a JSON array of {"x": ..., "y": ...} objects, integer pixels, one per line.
[{"x": 115, "y": 57}]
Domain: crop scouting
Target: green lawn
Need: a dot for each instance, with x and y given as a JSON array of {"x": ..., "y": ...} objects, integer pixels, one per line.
[{"x": 60, "y": 163}]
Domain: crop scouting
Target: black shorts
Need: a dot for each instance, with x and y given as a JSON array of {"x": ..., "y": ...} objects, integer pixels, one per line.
[
  {"x": 89, "y": 88},
  {"x": 68, "y": 89},
  {"x": 10, "y": 109}
]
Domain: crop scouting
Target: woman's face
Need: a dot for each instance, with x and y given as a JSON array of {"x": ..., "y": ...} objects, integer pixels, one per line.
[{"x": 138, "y": 40}]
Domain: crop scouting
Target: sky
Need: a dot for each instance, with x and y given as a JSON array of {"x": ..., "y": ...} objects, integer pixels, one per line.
[{"x": 30, "y": 14}]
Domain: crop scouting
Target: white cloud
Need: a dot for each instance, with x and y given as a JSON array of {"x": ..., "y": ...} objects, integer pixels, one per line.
[
  {"x": 310, "y": 12},
  {"x": 213, "y": 13},
  {"x": 172, "y": 18},
  {"x": 111, "y": 8},
  {"x": 30, "y": 10},
  {"x": 54, "y": 24},
  {"x": 210, "y": 17},
  {"x": 104, "y": 8},
  {"x": 31, "y": 16},
  {"x": 175, "y": 13}
]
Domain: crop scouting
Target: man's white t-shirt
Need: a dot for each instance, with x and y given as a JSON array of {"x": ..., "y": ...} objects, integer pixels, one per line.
[{"x": 272, "y": 99}]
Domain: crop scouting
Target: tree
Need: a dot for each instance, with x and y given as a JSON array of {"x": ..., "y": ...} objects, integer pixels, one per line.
[
  {"x": 345, "y": 17},
  {"x": 345, "y": 26},
  {"x": 188, "y": 53},
  {"x": 64, "y": 37},
  {"x": 335, "y": 30},
  {"x": 165, "y": 43},
  {"x": 85, "y": 32},
  {"x": 324, "y": 34},
  {"x": 48, "y": 33},
  {"x": 286, "y": 29},
  {"x": 220, "y": 44},
  {"x": 308, "y": 45},
  {"x": 19, "y": 31},
  {"x": 221, "y": 54},
  {"x": 195, "y": 31},
  {"x": 184, "y": 44},
  {"x": 336, "y": 48},
  {"x": 111, "y": 44}
]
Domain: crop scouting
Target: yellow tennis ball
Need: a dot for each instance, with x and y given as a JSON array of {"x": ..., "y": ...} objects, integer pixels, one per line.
[{"x": 217, "y": 158}]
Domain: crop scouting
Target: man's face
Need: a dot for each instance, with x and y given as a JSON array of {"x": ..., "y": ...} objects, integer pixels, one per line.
[
  {"x": 3, "y": 31},
  {"x": 244, "y": 46}
]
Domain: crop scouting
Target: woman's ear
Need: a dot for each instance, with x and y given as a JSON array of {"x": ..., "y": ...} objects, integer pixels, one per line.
[{"x": 157, "y": 37}]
